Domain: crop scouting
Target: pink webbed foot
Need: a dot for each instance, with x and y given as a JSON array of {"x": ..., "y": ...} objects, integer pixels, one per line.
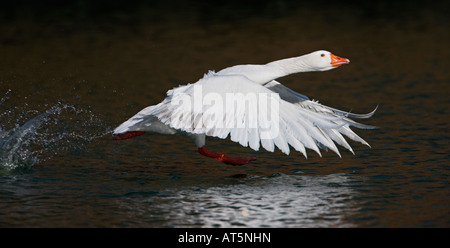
[
  {"x": 224, "y": 158},
  {"x": 128, "y": 135}
]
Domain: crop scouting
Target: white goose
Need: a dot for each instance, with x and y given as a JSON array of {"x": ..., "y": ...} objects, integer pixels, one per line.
[{"x": 247, "y": 104}]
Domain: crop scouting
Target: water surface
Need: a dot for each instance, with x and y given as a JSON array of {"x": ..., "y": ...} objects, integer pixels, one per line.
[{"x": 70, "y": 73}]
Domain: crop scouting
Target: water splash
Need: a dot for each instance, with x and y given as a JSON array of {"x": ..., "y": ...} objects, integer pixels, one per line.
[{"x": 38, "y": 136}]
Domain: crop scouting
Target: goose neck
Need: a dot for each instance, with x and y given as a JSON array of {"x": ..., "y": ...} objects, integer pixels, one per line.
[{"x": 291, "y": 65}]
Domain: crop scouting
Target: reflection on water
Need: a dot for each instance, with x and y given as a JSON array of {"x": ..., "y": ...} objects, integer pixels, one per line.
[{"x": 276, "y": 201}]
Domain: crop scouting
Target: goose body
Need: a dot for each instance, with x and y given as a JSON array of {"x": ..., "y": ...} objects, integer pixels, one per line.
[{"x": 247, "y": 104}]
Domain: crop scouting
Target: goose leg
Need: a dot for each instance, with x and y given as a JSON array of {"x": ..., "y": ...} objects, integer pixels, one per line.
[
  {"x": 224, "y": 158},
  {"x": 128, "y": 135}
]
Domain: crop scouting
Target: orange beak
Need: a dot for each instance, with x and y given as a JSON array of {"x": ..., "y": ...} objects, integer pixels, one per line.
[{"x": 338, "y": 61}]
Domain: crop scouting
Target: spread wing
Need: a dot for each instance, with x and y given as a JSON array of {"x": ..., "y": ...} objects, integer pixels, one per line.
[
  {"x": 304, "y": 102},
  {"x": 252, "y": 115}
]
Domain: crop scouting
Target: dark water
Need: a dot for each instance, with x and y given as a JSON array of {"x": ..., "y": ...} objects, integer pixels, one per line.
[{"x": 71, "y": 72}]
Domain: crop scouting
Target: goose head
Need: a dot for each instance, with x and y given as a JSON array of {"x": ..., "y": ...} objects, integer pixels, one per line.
[{"x": 323, "y": 60}]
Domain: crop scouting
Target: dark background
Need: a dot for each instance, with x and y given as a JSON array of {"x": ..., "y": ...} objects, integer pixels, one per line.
[{"x": 110, "y": 59}]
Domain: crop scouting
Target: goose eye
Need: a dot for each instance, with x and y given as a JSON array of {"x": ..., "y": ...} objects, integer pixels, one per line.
[{"x": 322, "y": 55}]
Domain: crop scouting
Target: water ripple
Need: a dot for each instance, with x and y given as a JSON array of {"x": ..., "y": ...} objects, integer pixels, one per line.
[{"x": 280, "y": 201}]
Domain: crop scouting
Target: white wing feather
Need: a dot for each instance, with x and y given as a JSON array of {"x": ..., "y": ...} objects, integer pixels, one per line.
[{"x": 301, "y": 125}]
